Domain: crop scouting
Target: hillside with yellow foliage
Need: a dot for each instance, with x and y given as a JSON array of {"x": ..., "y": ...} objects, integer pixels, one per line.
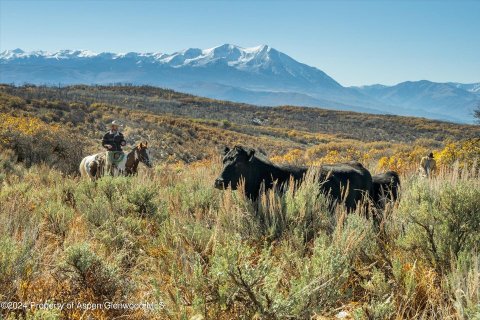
[{"x": 186, "y": 128}]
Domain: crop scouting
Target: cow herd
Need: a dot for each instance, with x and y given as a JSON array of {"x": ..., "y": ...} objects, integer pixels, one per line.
[{"x": 349, "y": 183}]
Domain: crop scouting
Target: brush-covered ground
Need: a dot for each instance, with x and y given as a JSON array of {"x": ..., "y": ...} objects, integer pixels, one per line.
[
  {"x": 59, "y": 126},
  {"x": 168, "y": 238}
]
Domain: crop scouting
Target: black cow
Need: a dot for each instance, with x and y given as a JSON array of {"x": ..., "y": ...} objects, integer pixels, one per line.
[
  {"x": 241, "y": 162},
  {"x": 385, "y": 188}
]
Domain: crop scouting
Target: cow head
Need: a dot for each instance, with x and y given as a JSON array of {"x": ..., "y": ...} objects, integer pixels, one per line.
[{"x": 237, "y": 163}]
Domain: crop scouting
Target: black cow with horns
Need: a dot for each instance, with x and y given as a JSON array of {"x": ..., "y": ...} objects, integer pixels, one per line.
[{"x": 243, "y": 163}]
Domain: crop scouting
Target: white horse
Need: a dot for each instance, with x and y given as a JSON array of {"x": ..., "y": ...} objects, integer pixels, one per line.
[{"x": 93, "y": 168}]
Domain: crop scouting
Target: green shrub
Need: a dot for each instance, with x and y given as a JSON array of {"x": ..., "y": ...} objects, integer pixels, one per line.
[
  {"x": 464, "y": 285},
  {"x": 442, "y": 219},
  {"x": 8, "y": 164},
  {"x": 51, "y": 314},
  {"x": 301, "y": 211},
  {"x": 67, "y": 193},
  {"x": 113, "y": 188},
  {"x": 91, "y": 271},
  {"x": 193, "y": 195},
  {"x": 120, "y": 238},
  {"x": 226, "y": 124},
  {"x": 381, "y": 304},
  {"x": 85, "y": 190},
  {"x": 286, "y": 286},
  {"x": 239, "y": 280},
  {"x": 19, "y": 214},
  {"x": 320, "y": 280},
  {"x": 142, "y": 198},
  {"x": 15, "y": 261},
  {"x": 96, "y": 211},
  {"x": 58, "y": 218}
]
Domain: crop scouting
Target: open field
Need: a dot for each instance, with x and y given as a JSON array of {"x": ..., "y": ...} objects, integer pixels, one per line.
[{"x": 167, "y": 237}]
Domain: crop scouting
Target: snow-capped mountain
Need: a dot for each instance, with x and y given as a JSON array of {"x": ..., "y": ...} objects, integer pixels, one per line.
[
  {"x": 470, "y": 87},
  {"x": 259, "y": 67},
  {"x": 259, "y": 75}
]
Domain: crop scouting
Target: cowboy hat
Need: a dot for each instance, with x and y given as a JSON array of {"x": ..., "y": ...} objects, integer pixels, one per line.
[{"x": 116, "y": 123}]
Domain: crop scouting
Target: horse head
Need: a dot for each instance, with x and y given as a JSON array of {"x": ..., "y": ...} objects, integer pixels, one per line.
[{"x": 143, "y": 154}]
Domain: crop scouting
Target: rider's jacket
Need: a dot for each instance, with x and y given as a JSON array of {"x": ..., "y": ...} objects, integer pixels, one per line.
[
  {"x": 115, "y": 139},
  {"x": 428, "y": 165}
]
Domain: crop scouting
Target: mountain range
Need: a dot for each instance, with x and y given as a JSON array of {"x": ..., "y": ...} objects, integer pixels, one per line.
[{"x": 259, "y": 75}]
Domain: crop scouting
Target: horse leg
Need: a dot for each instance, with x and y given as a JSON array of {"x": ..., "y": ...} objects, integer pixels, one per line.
[
  {"x": 94, "y": 170},
  {"x": 81, "y": 168}
]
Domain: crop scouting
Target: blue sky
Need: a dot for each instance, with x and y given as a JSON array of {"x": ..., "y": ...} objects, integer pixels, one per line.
[{"x": 355, "y": 42}]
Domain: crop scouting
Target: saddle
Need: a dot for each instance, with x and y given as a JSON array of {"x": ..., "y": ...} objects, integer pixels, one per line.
[
  {"x": 115, "y": 157},
  {"x": 100, "y": 163}
]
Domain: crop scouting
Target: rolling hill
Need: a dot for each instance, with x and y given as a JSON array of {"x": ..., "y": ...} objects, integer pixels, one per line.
[{"x": 187, "y": 128}]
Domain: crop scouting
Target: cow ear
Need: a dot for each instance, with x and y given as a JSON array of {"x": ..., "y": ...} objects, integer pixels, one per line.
[
  {"x": 251, "y": 154},
  {"x": 145, "y": 144},
  {"x": 226, "y": 150}
]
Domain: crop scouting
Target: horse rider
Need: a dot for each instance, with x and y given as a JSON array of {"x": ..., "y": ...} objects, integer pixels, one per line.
[
  {"x": 428, "y": 165},
  {"x": 113, "y": 141}
]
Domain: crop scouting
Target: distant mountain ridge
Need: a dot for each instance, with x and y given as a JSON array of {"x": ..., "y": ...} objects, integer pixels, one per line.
[
  {"x": 441, "y": 98},
  {"x": 470, "y": 87},
  {"x": 259, "y": 75}
]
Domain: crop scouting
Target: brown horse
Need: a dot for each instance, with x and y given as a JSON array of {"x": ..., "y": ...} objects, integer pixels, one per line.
[{"x": 94, "y": 166}]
